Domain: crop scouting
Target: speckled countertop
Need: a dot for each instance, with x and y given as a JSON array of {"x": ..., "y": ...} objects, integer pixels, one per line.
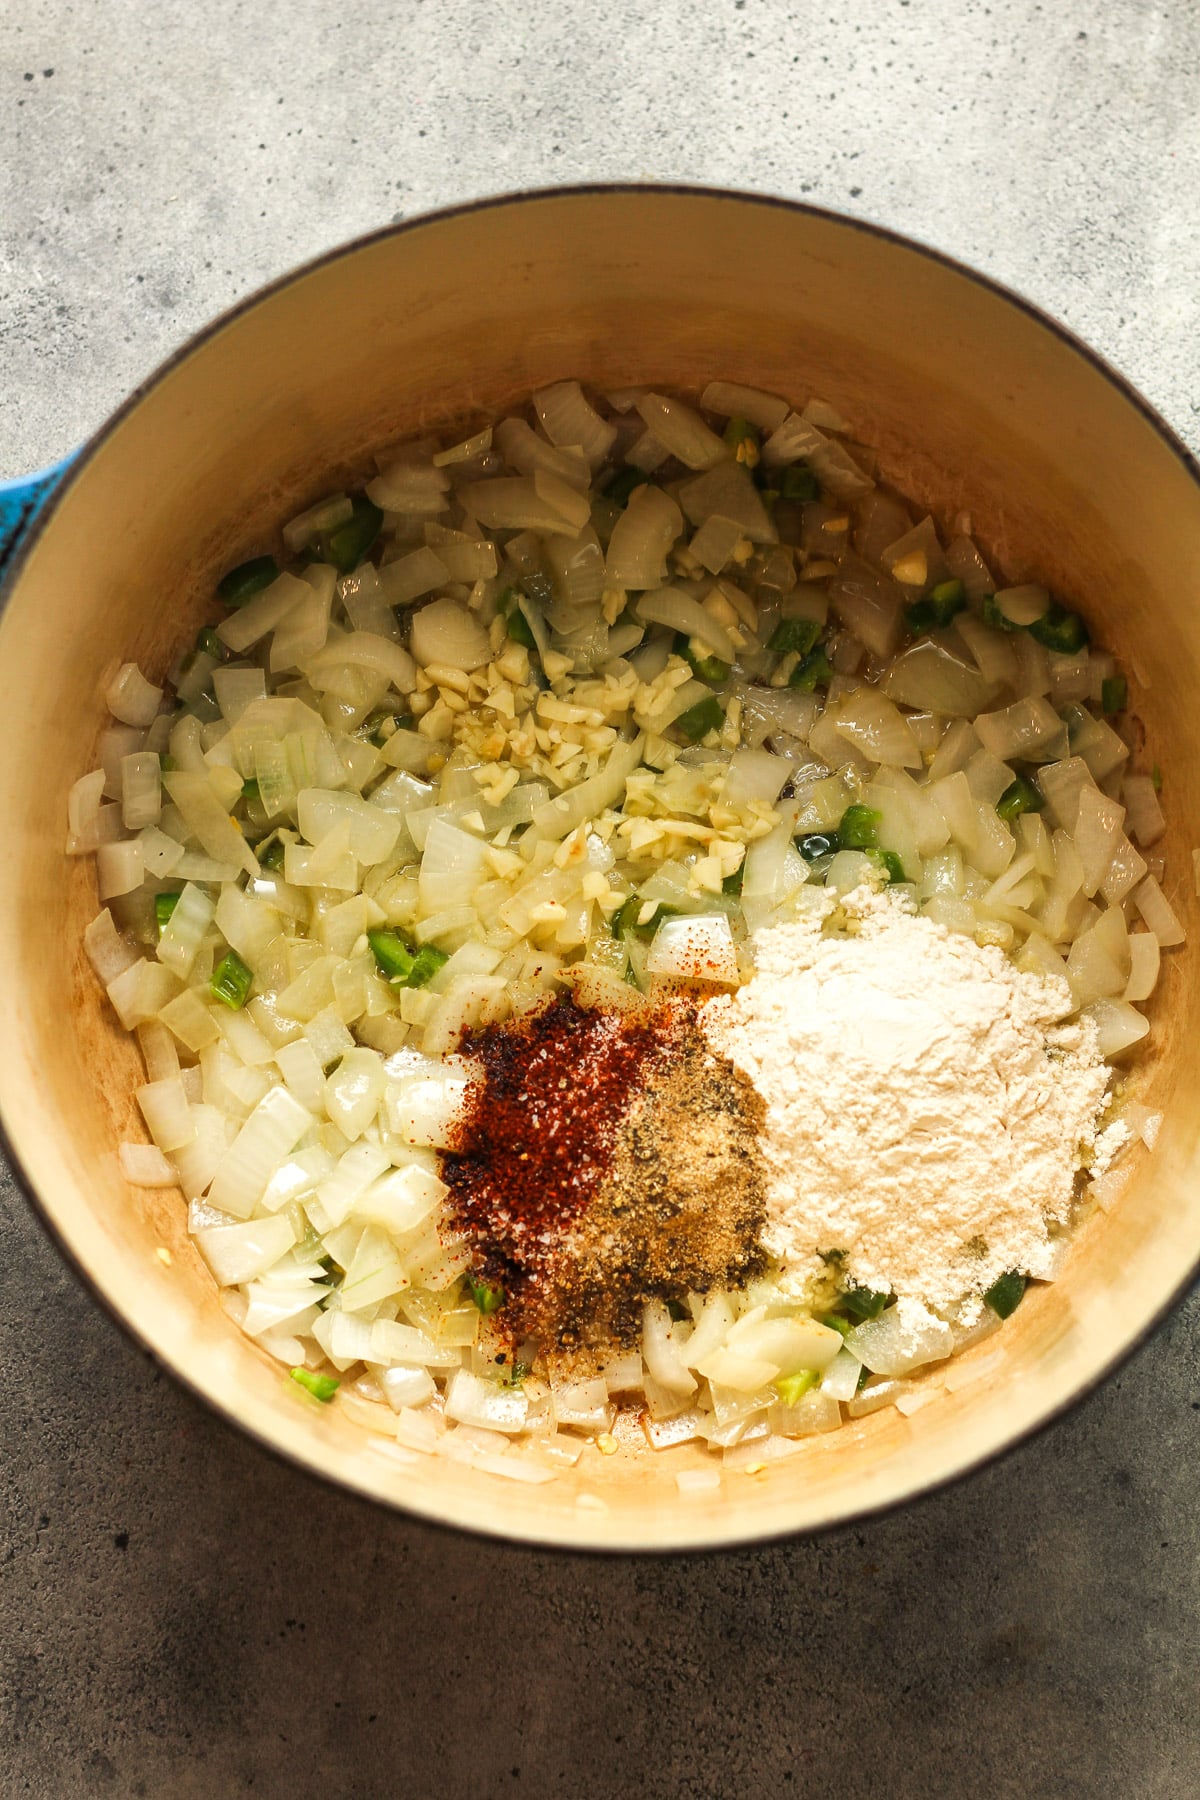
[{"x": 182, "y": 1617}]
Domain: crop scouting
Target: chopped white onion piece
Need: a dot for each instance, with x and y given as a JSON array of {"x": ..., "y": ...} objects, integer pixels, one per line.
[
  {"x": 683, "y": 432},
  {"x": 904, "y": 1337},
  {"x": 642, "y": 538},
  {"x": 131, "y": 698},
  {"x": 240, "y": 1253},
  {"x": 271, "y": 1132},
  {"x": 1158, "y": 913},
  {"x": 144, "y": 1166},
  {"x": 445, "y": 632},
  {"x": 699, "y": 948}
]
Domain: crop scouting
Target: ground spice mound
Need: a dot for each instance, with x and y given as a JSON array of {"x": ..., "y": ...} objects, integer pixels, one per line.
[{"x": 605, "y": 1158}]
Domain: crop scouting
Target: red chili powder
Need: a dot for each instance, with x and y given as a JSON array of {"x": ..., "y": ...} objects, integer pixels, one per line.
[{"x": 539, "y": 1131}]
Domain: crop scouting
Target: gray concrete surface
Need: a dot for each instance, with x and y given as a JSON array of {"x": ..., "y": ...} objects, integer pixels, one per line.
[{"x": 180, "y": 1616}]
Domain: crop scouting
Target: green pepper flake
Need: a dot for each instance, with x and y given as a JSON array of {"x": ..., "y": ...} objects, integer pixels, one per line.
[
  {"x": 936, "y": 609},
  {"x": 1005, "y": 1295},
  {"x": 1114, "y": 694},
  {"x": 994, "y": 617},
  {"x": 1019, "y": 797},
  {"x": 813, "y": 845},
  {"x": 794, "y": 636},
  {"x": 732, "y": 884},
  {"x": 392, "y": 955},
  {"x": 890, "y": 862},
  {"x": 164, "y": 906},
  {"x": 248, "y": 579},
  {"x": 426, "y": 964},
  {"x": 231, "y": 981},
  {"x": 864, "y": 1375},
  {"x": 862, "y": 1303},
  {"x": 837, "y": 1323},
  {"x": 209, "y": 644},
  {"x": 815, "y": 671},
  {"x": 859, "y": 828},
  {"x": 515, "y": 622},
  {"x": 1060, "y": 630},
  {"x": 708, "y": 668},
  {"x": 403, "y": 966},
  {"x": 707, "y": 715},
  {"x": 321, "y": 1387},
  {"x": 797, "y": 482},
  {"x": 743, "y": 440},
  {"x": 488, "y": 1296},
  {"x": 271, "y": 854},
  {"x": 252, "y": 792},
  {"x": 625, "y": 919},
  {"x": 383, "y": 723},
  {"x": 346, "y": 544},
  {"x": 623, "y": 483},
  {"x": 791, "y": 1388}
]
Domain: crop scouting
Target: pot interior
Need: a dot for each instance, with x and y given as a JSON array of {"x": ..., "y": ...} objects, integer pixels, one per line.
[{"x": 971, "y": 402}]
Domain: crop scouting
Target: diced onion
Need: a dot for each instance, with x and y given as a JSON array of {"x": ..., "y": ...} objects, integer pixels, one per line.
[
  {"x": 239, "y": 1253},
  {"x": 445, "y": 632},
  {"x": 569, "y": 420},
  {"x": 1118, "y": 1025},
  {"x": 930, "y": 678},
  {"x": 1145, "y": 820},
  {"x": 728, "y": 399},
  {"x": 411, "y": 487},
  {"x": 144, "y": 1166},
  {"x": 119, "y": 868},
  {"x": 682, "y": 431},
  {"x": 671, "y": 606},
  {"x": 700, "y": 948},
  {"x": 271, "y": 1132},
  {"x": 131, "y": 698},
  {"x": 363, "y": 650},
  {"x": 869, "y": 721},
  {"x": 1158, "y": 913},
  {"x": 641, "y": 539},
  {"x": 904, "y": 1337}
]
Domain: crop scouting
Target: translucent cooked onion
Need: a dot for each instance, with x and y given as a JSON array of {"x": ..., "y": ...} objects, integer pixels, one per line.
[
  {"x": 521, "y": 446},
  {"x": 642, "y": 538},
  {"x": 930, "y": 678},
  {"x": 1118, "y": 1025},
  {"x": 363, "y": 650},
  {"x": 131, "y": 698},
  {"x": 695, "y": 949},
  {"x": 1158, "y": 913},
  {"x": 682, "y": 432},
  {"x": 1019, "y": 730},
  {"x": 445, "y": 632},
  {"x": 569, "y": 420},
  {"x": 411, "y": 487},
  {"x": 539, "y": 502},
  {"x": 870, "y": 604},
  {"x": 869, "y": 721},
  {"x": 671, "y": 606},
  {"x": 729, "y": 399},
  {"x": 798, "y": 438},
  {"x": 727, "y": 489}
]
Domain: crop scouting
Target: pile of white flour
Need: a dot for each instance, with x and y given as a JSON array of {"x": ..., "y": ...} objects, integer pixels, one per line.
[{"x": 926, "y": 1111}]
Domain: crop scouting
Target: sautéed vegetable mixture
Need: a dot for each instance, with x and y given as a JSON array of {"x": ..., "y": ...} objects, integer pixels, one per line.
[{"x": 421, "y": 874}]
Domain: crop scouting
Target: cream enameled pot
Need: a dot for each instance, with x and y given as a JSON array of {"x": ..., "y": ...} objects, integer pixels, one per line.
[{"x": 972, "y": 400}]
